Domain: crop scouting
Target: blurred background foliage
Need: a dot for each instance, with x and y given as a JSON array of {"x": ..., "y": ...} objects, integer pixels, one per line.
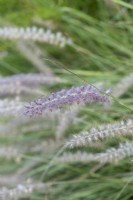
[{"x": 102, "y": 33}]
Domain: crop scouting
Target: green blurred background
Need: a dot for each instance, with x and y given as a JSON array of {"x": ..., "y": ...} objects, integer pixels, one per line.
[{"x": 102, "y": 51}]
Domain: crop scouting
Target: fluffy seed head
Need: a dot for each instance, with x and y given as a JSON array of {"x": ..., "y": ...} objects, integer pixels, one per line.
[{"x": 83, "y": 94}]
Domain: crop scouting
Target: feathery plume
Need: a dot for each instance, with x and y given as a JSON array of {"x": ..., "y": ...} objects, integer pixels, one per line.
[
  {"x": 17, "y": 90},
  {"x": 75, "y": 157},
  {"x": 112, "y": 155},
  {"x": 35, "y": 34},
  {"x": 21, "y": 190},
  {"x": 82, "y": 94},
  {"x": 28, "y": 80},
  {"x": 100, "y": 133},
  {"x": 23, "y": 83}
]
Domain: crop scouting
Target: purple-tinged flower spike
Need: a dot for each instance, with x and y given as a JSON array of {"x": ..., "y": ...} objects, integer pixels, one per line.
[{"x": 83, "y": 94}]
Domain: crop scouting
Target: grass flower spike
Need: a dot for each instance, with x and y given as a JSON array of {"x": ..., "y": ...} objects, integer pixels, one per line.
[
  {"x": 82, "y": 94},
  {"x": 35, "y": 34},
  {"x": 30, "y": 79},
  {"x": 101, "y": 133},
  {"x": 20, "y": 191},
  {"x": 111, "y": 155}
]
